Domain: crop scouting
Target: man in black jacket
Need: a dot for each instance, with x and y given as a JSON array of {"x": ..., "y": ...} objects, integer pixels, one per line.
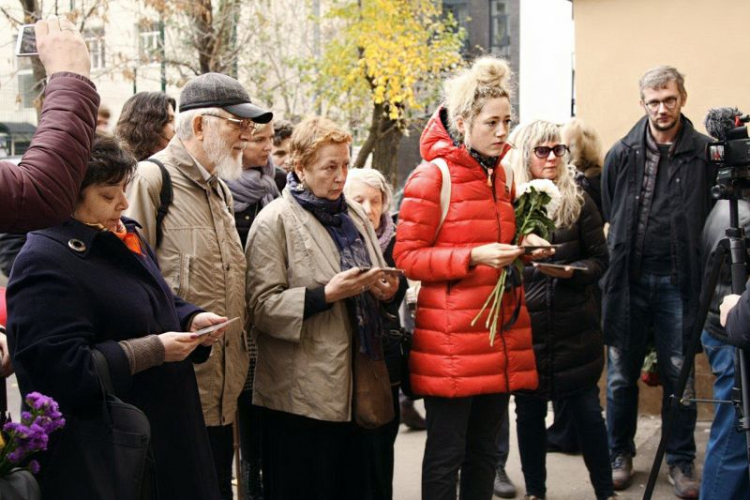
[{"x": 655, "y": 195}]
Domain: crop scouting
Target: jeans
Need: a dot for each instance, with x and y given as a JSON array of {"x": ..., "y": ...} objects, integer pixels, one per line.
[
  {"x": 462, "y": 435},
  {"x": 586, "y": 413},
  {"x": 654, "y": 303},
  {"x": 725, "y": 471}
]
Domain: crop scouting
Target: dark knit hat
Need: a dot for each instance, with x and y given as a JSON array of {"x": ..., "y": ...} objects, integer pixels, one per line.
[{"x": 214, "y": 90}]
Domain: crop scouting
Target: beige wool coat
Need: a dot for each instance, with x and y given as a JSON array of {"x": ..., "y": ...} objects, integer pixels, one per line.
[
  {"x": 202, "y": 260},
  {"x": 304, "y": 367}
]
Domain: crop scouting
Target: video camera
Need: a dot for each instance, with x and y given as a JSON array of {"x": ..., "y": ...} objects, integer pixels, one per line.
[{"x": 730, "y": 153}]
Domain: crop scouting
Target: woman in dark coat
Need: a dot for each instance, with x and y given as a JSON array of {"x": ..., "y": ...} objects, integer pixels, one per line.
[
  {"x": 92, "y": 283},
  {"x": 369, "y": 188},
  {"x": 564, "y": 315}
]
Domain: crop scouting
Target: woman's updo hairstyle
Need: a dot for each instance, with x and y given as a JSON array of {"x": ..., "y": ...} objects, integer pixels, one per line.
[{"x": 467, "y": 92}]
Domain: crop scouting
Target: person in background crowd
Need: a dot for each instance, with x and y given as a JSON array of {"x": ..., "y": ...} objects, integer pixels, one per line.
[
  {"x": 281, "y": 139},
  {"x": 109, "y": 295},
  {"x": 564, "y": 315},
  {"x": 466, "y": 381},
  {"x": 725, "y": 468},
  {"x": 103, "y": 115},
  {"x": 200, "y": 254},
  {"x": 146, "y": 123},
  {"x": 254, "y": 190},
  {"x": 256, "y": 186},
  {"x": 586, "y": 156},
  {"x": 315, "y": 288},
  {"x": 41, "y": 190},
  {"x": 369, "y": 188},
  {"x": 656, "y": 196}
]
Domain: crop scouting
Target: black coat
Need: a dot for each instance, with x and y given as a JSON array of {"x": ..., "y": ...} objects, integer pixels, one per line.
[
  {"x": 564, "y": 313},
  {"x": 690, "y": 181},
  {"x": 392, "y": 344},
  {"x": 713, "y": 232},
  {"x": 62, "y": 302}
]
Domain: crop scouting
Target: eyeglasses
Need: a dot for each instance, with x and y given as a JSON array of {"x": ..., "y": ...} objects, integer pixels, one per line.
[
  {"x": 543, "y": 152},
  {"x": 669, "y": 103},
  {"x": 244, "y": 125}
]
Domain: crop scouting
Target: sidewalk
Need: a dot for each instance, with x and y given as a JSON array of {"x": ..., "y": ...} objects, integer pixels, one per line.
[{"x": 567, "y": 477}]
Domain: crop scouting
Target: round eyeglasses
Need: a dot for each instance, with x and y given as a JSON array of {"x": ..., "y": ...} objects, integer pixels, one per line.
[{"x": 543, "y": 152}]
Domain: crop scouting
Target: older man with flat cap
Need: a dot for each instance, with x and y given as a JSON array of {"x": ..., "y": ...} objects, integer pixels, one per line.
[{"x": 185, "y": 209}]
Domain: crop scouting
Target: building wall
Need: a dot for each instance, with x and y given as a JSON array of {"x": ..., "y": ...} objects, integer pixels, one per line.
[
  {"x": 546, "y": 60},
  {"x": 617, "y": 41}
]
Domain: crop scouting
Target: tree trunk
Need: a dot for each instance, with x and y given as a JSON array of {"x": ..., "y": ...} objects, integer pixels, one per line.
[{"x": 382, "y": 141}]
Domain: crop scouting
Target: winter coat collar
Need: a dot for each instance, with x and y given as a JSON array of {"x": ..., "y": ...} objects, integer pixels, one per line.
[
  {"x": 688, "y": 140},
  {"x": 80, "y": 238},
  {"x": 437, "y": 142}
]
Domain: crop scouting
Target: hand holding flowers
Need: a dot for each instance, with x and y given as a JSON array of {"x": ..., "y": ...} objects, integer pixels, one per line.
[{"x": 535, "y": 205}]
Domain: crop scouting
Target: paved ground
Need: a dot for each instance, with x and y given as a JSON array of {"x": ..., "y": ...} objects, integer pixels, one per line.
[{"x": 567, "y": 477}]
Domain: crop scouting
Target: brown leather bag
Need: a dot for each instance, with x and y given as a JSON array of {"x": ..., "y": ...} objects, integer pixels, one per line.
[{"x": 373, "y": 400}]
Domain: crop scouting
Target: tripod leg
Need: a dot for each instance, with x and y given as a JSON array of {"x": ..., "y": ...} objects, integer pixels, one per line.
[{"x": 714, "y": 264}]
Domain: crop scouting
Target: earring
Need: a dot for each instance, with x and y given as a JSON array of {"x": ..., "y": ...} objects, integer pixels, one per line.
[{"x": 300, "y": 186}]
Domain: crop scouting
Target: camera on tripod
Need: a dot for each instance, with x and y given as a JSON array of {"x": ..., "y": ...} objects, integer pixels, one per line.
[{"x": 730, "y": 154}]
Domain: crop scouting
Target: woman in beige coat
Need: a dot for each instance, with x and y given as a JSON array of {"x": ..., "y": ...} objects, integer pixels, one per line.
[{"x": 314, "y": 287}]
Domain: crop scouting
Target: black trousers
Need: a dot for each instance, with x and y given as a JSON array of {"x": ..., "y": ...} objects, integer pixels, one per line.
[
  {"x": 221, "y": 439},
  {"x": 311, "y": 459},
  {"x": 378, "y": 460},
  {"x": 251, "y": 433},
  {"x": 586, "y": 413},
  {"x": 462, "y": 434}
]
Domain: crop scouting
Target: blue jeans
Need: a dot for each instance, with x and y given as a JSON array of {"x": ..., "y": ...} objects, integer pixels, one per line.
[
  {"x": 725, "y": 469},
  {"x": 654, "y": 303},
  {"x": 586, "y": 416}
]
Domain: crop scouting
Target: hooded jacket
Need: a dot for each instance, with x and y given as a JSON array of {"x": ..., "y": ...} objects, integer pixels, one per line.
[{"x": 450, "y": 357}]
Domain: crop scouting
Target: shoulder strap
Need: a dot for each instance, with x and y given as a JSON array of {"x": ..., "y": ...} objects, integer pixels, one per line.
[
  {"x": 505, "y": 162},
  {"x": 101, "y": 367},
  {"x": 445, "y": 190},
  {"x": 166, "y": 196}
]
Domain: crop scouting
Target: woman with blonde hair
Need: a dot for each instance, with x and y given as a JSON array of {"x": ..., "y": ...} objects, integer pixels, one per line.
[
  {"x": 314, "y": 288},
  {"x": 564, "y": 315},
  {"x": 586, "y": 156},
  {"x": 458, "y": 256}
]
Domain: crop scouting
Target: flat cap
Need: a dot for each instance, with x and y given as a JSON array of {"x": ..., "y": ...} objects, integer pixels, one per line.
[{"x": 215, "y": 90}]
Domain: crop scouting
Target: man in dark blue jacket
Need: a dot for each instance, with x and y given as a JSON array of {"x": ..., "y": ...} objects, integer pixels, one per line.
[{"x": 655, "y": 195}]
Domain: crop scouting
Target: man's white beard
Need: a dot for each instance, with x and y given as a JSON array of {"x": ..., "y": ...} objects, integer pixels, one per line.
[{"x": 220, "y": 153}]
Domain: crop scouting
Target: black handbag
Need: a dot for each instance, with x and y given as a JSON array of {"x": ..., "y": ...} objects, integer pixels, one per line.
[
  {"x": 406, "y": 340},
  {"x": 105, "y": 455}
]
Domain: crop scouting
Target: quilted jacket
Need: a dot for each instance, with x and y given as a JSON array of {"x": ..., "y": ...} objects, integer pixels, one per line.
[{"x": 450, "y": 357}]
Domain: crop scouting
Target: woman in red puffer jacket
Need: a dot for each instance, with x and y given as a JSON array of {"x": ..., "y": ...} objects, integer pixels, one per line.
[{"x": 465, "y": 380}]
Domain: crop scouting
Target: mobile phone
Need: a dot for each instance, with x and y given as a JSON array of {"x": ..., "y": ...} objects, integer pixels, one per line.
[
  {"x": 213, "y": 328},
  {"x": 559, "y": 266},
  {"x": 530, "y": 249},
  {"x": 26, "y": 42},
  {"x": 393, "y": 271}
]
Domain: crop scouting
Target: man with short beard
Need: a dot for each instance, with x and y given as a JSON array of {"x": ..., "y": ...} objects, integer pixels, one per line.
[
  {"x": 656, "y": 196},
  {"x": 199, "y": 251}
]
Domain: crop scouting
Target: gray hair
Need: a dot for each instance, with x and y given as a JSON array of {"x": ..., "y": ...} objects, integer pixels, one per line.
[
  {"x": 375, "y": 180},
  {"x": 185, "y": 120},
  {"x": 660, "y": 76}
]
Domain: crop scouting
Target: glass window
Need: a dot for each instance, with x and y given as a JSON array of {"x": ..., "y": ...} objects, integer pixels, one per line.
[
  {"x": 95, "y": 41},
  {"x": 27, "y": 93},
  {"x": 149, "y": 42},
  {"x": 499, "y": 28}
]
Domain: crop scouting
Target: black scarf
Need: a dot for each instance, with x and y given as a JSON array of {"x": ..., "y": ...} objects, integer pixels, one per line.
[{"x": 334, "y": 215}]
